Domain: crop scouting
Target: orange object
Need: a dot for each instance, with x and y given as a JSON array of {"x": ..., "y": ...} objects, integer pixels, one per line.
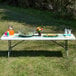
[{"x": 11, "y": 32}]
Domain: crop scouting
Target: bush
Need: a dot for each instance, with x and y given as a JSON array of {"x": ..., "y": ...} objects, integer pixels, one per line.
[{"x": 61, "y": 7}]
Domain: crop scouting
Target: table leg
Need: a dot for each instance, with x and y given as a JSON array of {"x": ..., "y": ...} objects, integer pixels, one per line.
[
  {"x": 66, "y": 47},
  {"x": 9, "y": 47}
]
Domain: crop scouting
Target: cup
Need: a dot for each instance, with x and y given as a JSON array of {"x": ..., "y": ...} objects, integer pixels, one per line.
[{"x": 69, "y": 31}]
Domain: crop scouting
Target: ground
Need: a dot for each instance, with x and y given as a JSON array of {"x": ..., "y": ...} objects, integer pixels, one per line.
[{"x": 36, "y": 58}]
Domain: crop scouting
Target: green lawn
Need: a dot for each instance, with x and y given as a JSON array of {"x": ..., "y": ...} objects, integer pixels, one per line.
[{"x": 36, "y": 58}]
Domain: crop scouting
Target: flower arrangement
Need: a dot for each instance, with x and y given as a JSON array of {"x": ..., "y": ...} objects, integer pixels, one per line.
[{"x": 39, "y": 29}]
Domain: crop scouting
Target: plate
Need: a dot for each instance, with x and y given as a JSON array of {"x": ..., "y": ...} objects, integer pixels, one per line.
[
  {"x": 50, "y": 35},
  {"x": 25, "y": 35}
]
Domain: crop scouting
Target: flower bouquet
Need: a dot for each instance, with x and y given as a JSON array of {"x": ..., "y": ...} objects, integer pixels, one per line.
[{"x": 39, "y": 29}]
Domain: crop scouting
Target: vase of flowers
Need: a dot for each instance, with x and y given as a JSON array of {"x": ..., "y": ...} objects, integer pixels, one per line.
[{"x": 39, "y": 29}]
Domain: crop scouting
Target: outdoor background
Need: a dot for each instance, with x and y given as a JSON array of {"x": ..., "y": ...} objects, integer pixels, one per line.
[{"x": 38, "y": 58}]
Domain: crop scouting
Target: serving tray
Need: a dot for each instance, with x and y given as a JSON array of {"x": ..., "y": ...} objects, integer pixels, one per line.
[{"x": 25, "y": 35}]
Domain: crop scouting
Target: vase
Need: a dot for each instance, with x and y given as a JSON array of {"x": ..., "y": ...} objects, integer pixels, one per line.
[{"x": 39, "y": 33}]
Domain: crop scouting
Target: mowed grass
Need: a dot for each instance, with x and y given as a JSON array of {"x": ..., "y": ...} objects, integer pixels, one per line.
[{"x": 36, "y": 58}]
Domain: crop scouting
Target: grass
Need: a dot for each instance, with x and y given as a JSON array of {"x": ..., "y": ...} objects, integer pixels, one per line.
[{"x": 36, "y": 58}]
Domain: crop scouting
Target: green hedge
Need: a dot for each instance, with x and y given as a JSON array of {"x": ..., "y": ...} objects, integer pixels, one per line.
[{"x": 62, "y": 7}]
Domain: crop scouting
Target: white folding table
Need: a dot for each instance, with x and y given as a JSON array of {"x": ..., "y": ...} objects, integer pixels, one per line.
[{"x": 54, "y": 39}]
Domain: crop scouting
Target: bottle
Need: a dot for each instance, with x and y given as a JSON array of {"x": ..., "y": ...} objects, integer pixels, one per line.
[
  {"x": 66, "y": 32},
  {"x": 7, "y": 33},
  {"x": 11, "y": 31}
]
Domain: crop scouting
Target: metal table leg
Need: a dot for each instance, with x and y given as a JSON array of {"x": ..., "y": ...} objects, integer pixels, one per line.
[
  {"x": 66, "y": 47},
  {"x": 9, "y": 47}
]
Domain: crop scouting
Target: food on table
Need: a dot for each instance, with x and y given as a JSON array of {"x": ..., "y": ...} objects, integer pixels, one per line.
[{"x": 50, "y": 35}]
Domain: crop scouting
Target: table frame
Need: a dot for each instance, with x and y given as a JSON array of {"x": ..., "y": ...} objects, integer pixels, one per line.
[
  {"x": 9, "y": 47},
  {"x": 65, "y": 46}
]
